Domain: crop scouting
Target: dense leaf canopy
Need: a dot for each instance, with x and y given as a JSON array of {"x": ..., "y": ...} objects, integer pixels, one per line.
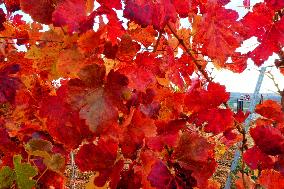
[{"x": 133, "y": 97}]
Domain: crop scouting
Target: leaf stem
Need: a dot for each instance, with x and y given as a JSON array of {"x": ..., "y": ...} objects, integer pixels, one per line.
[{"x": 41, "y": 175}]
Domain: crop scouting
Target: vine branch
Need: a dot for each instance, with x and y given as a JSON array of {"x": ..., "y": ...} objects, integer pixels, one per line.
[
  {"x": 181, "y": 42},
  {"x": 31, "y": 39}
]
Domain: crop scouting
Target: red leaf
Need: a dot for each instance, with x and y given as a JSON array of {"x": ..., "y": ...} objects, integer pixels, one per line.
[
  {"x": 114, "y": 27},
  {"x": 98, "y": 157},
  {"x": 260, "y": 24},
  {"x": 12, "y": 5},
  {"x": 110, "y": 4},
  {"x": 279, "y": 164},
  {"x": 196, "y": 154},
  {"x": 132, "y": 138},
  {"x": 271, "y": 110},
  {"x": 92, "y": 75},
  {"x": 246, "y": 4},
  {"x": 2, "y": 19},
  {"x": 63, "y": 123},
  {"x": 8, "y": 84},
  {"x": 200, "y": 99},
  {"x": 168, "y": 134},
  {"x": 101, "y": 158},
  {"x": 127, "y": 48},
  {"x": 70, "y": 13},
  {"x": 240, "y": 116},
  {"x": 142, "y": 73},
  {"x": 268, "y": 139},
  {"x": 239, "y": 63},
  {"x": 256, "y": 159},
  {"x": 275, "y": 4},
  {"x": 216, "y": 120},
  {"x": 147, "y": 13},
  {"x": 160, "y": 177},
  {"x": 231, "y": 137},
  {"x": 100, "y": 114},
  {"x": 184, "y": 8},
  {"x": 40, "y": 10},
  {"x": 52, "y": 179},
  {"x": 218, "y": 32},
  {"x": 271, "y": 179},
  {"x": 8, "y": 147},
  {"x": 130, "y": 179}
]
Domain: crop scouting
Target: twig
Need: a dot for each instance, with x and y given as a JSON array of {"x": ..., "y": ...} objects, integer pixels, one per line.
[
  {"x": 157, "y": 42},
  {"x": 270, "y": 76},
  {"x": 23, "y": 38},
  {"x": 181, "y": 42},
  {"x": 73, "y": 176}
]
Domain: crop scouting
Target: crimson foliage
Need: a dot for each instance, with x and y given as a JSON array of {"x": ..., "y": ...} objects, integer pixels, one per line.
[{"x": 140, "y": 115}]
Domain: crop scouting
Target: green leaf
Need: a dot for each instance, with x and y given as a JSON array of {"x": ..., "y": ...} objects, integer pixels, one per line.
[
  {"x": 7, "y": 177},
  {"x": 24, "y": 173}
]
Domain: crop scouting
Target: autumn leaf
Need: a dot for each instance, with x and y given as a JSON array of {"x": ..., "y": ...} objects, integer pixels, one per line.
[
  {"x": 195, "y": 153},
  {"x": 218, "y": 32},
  {"x": 268, "y": 139},
  {"x": 40, "y": 11},
  {"x": 271, "y": 179},
  {"x": 256, "y": 159},
  {"x": 8, "y": 84},
  {"x": 160, "y": 176},
  {"x": 70, "y": 13}
]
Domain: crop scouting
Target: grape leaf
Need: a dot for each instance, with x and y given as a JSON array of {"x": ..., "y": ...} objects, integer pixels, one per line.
[
  {"x": 7, "y": 177},
  {"x": 40, "y": 10},
  {"x": 130, "y": 179},
  {"x": 55, "y": 163},
  {"x": 8, "y": 147},
  {"x": 2, "y": 19},
  {"x": 256, "y": 159},
  {"x": 84, "y": 41},
  {"x": 274, "y": 4},
  {"x": 167, "y": 134},
  {"x": 52, "y": 179},
  {"x": 218, "y": 32},
  {"x": 12, "y": 5},
  {"x": 70, "y": 13},
  {"x": 279, "y": 164},
  {"x": 98, "y": 111},
  {"x": 147, "y": 13},
  {"x": 195, "y": 153},
  {"x": 100, "y": 157},
  {"x": 271, "y": 110},
  {"x": 134, "y": 134},
  {"x": 114, "y": 28},
  {"x": 270, "y": 33},
  {"x": 268, "y": 139},
  {"x": 24, "y": 173},
  {"x": 215, "y": 120},
  {"x": 63, "y": 123},
  {"x": 39, "y": 147},
  {"x": 142, "y": 74},
  {"x": 8, "y": 84},
  {"x": 271, "y": 179},
  {"x": 201, "y": 99},
  {"x": 160, "y": 177}
]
